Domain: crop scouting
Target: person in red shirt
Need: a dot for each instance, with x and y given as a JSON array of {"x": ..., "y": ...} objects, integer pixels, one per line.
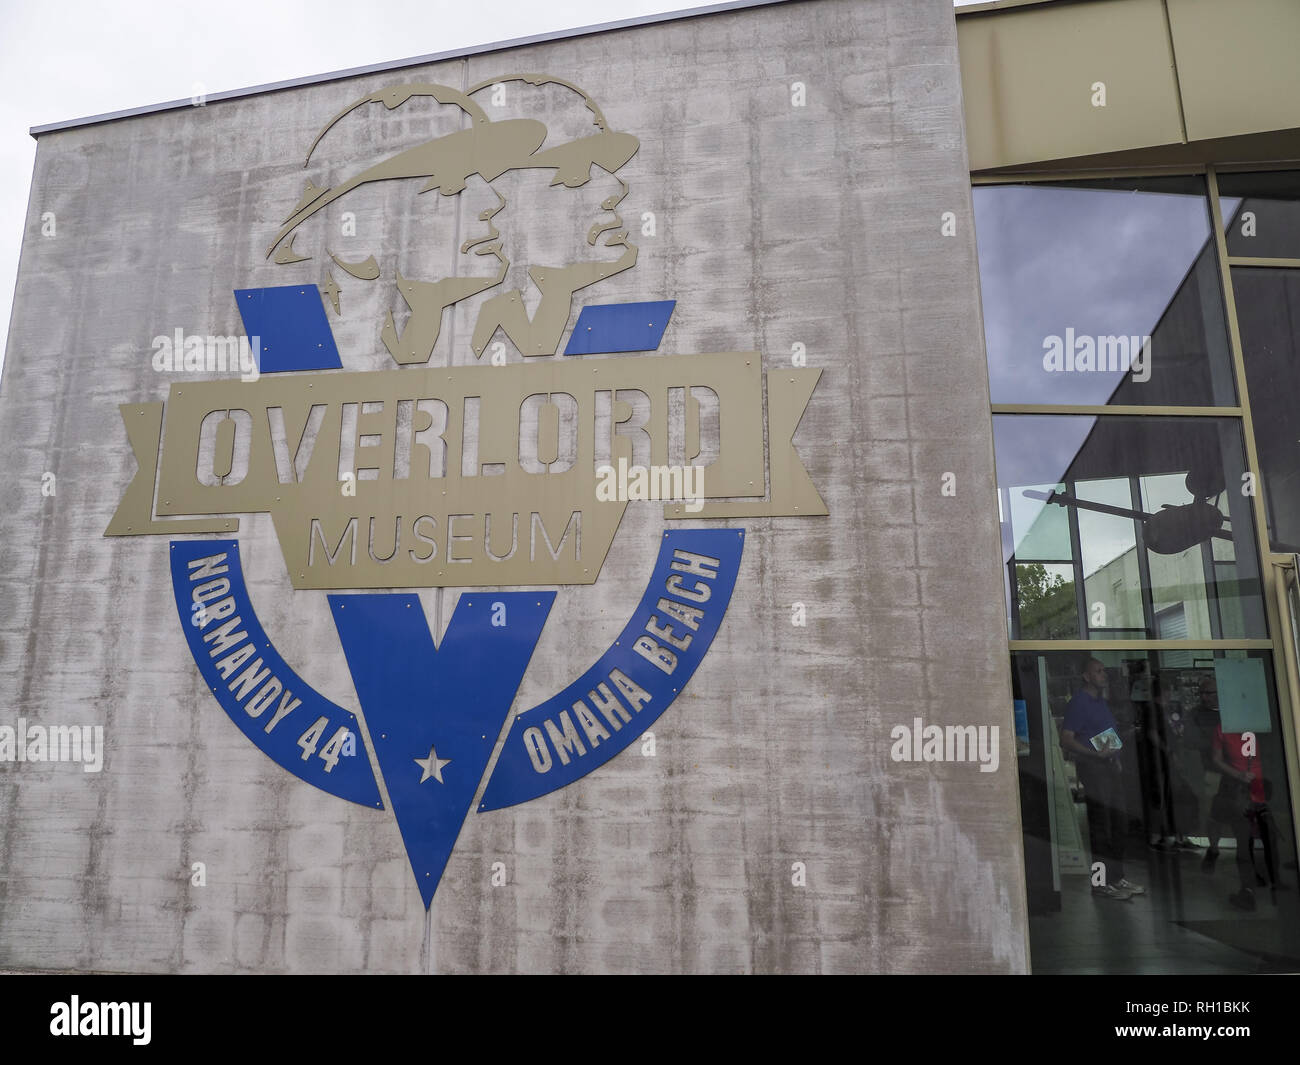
[{"x": 1242, "y": 801}]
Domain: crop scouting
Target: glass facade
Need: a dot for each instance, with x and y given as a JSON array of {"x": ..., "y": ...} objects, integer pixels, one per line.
[
  {"x": 1124, "y": 527},
  {"x": 1144, "y": 368},
  {"x": 1261, "y": 214},
  {"x": 1103, "y": 294},
  {"x": 1190, "y": 722},
  {"x": 1268, "y": 312}
]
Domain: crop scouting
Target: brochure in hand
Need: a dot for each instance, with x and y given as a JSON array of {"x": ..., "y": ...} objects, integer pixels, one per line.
[{"x": 1107, "y": 741}]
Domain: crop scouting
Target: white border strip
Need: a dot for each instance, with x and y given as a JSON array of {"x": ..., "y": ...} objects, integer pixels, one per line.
[{"x": 398, "y": 64}]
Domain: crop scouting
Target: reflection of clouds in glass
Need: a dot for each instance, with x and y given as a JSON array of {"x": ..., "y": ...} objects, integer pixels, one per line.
[
  {"x": 1266, "y": 224},
  {"x": 1132, "y": 464},
  {"x": 1038, "y": 531},
  {"x": 1164, "y": 490},
  {"x": 1036, "y": 452},
  {"x": 1100, "y": 261},
  {"x": 1038, "y": 449},
  {"x": 1104, "y": 537}
]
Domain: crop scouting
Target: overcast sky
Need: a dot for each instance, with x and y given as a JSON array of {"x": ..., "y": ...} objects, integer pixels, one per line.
[{"x": 75, "y": 58}]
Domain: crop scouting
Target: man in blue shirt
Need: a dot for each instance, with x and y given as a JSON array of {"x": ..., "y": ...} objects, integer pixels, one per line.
[{"x": 1090, "y": 736}]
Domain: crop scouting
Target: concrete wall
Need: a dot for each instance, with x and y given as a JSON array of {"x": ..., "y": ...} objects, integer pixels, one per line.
[{"x": 776, "y": 225}]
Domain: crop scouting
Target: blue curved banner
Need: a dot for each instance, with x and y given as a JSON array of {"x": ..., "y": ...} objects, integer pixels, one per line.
[
  {"x": 608, "y": 708},
  {"x": 295, "y": 725}
]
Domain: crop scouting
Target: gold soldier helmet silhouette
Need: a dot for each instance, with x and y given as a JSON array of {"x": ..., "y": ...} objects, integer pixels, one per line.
[{"x": 478, "y": 153}]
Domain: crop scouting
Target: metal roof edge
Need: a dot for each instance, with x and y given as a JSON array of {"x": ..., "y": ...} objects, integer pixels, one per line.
[
  {"x": 1006, "y": 5},
  {"x": 398, "y": 64}
]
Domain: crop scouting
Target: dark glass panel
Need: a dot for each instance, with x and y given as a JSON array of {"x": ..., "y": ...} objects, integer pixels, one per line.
[
  {"x": 1262, "y": 214},
  {"x": 1102, "y": 293},
  {"x": 1145, "y": 521},
  {"x": 1193, "y": 808},
  {"x": 1268, "y": 314}
]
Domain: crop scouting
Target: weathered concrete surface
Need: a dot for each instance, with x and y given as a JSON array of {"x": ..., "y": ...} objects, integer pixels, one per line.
[{"x": 776, "y": 225}]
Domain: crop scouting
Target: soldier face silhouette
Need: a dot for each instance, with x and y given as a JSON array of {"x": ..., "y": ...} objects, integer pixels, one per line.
[{"x": 496, "y": 214}]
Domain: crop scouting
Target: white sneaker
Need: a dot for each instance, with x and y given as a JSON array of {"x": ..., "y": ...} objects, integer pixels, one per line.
[
  {"x": 1132, "y": 889},
  {"x": 1106, "y": 891}
]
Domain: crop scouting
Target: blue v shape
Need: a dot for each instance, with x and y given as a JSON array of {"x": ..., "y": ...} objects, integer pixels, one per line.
[{"x": 436, "y": 712}]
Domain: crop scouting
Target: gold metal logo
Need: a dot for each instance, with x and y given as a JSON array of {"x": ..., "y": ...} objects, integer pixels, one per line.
[{"x": 487, "y": 474}]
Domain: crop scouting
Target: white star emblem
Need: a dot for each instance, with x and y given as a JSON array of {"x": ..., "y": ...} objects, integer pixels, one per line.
[{"x": 432, "y": 765}]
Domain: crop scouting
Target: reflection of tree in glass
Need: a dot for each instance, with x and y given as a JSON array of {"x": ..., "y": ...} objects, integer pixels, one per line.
[{"x": 1047, "y": 606}]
